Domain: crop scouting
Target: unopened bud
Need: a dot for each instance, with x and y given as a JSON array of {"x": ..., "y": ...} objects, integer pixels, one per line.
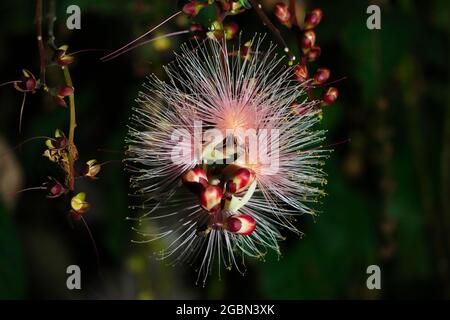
[
  {"x": 194, "y": 176},
  {"x": 55, "y": 189},
  {"x": 301, "y": 73},
  {"x": 242, "y": 224},
  {"x": 28, "y": 82},
  {"x": 330, "y": 95},
  {"x": 193, "y": 7},
  {"x": 65, "y": 91},
  {"x": 241, "y": 180},
  {"x": 308, "y": 40},
  {"x": 231, "y": 30},
  {"x": 321, "y": 75},
  {"x": 283, "y": 14},
  {"x": 313, "y": 53},
  {"x": 313, "y": 18},
  {"x": 210, "y": 198}
]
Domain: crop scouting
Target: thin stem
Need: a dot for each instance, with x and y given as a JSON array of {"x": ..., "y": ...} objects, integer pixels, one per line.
[
  {"x": 85, "y": 50},
  {"x": 73, "y": 154},
  {"x": 275, "y": 32},
  {"x": 30, "y": 189},
  {"x": 41, "y": 47},
  {"x": 9, "y": 82},
  {"x": 21, "y": 111},
  {"x": 114, "y": 53},
  {"x": 146, "y": 42}
]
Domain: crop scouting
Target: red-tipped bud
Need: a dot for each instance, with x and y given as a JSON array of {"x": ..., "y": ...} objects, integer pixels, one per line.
[
  {"x": 193, "y": 7},
  {"x": 308, "y": 40},
  {"x": 301, "y": 73},
  {"x": 313, "y": 53},
  {"x": 313, "y": 18},
  {"x": 298, "y": 109},
  {"x": 65, "y": 91},
  {"x": 283, "y": 14},
  {"x": 231, "y": 30},
  {"x": 61, "y": 58},
  {"x": 210, "y": 198},
  {"x": 55, "y": 189},
  {"x": 241, "y": 180},
  {"x": 28, "y": 82},
  {"x": 194, "y": 176},
  {"x": 195, "y": 180},
  {"x": 330, "y": 95},
  {"x": 60, "y": 93},
  {"x": 321, "y": 76},
  {"x": 242, "y": 224},
  {"x": 197, "y": 31}
]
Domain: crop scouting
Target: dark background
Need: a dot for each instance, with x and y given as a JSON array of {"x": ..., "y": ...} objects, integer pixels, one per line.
[{"x": 388, "y": 187}]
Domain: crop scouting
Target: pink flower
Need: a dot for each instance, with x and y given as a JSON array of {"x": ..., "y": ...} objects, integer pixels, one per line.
[{"x": 220, "y": 157}]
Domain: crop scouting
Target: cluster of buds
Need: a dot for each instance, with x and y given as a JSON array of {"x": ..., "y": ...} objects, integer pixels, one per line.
[
  {"x": 218, "y": 29},
  {"x": 60, "y": 93},
  {"x": 57, "y": 151},
  {"x": 310, "y": 51},
  {"x": 216, "y": 193}
]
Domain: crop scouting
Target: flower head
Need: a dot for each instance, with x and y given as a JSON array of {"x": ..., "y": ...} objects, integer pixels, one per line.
[{"x": 219, "y": 156}]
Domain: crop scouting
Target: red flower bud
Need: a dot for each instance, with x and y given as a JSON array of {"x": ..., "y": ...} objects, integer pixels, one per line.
[
  {"x": 210, "y": 198},
  {"x": 193, "y": 7},
  {"x": 313, "y": 53},
  {"x": 308, "y": 40},
  {"x": 231, "y": 30},
  {"x": 330, "y": 95},
  {"x": 28, "y": 82},
  {"x": 65, "y": 91},
  {"x": 194, "y": 175},
  {"x": 241, "y": 180},
  {"x": 313, "y": 18},
  {"x": 301, "y": 73},
  {"x": 225, "y": 5},
  {"x": 55, "y": 189},
  {"x": 195, "y": 179},
  {"x": 321, "y": 75},
  {"x": 242, "y": 224},
  {"x": 283, "y": 14}
]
